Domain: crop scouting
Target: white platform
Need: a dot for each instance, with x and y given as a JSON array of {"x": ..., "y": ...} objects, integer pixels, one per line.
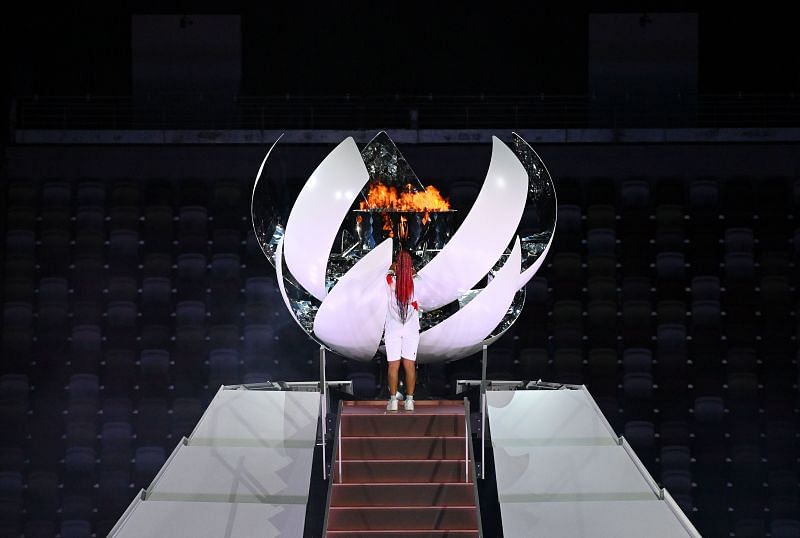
[
  {"x": 642, "y": 519},
  {"x": 176, "y": 519},
  {"x": 244, "y": 471},
  {"x": 561, "y": 471},
  {"x": 235, "y": 474},
  {"x": 259, "y": 418}
]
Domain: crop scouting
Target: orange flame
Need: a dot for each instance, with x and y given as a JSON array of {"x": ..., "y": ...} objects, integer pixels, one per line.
[
  {"x": 402, "y": 228},
  {"x": 387, "y": 225},
  {"x": 383, "y": 197}
]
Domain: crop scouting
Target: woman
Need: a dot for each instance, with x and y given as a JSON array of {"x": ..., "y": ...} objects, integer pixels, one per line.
[{"x": 401, "y": 331}]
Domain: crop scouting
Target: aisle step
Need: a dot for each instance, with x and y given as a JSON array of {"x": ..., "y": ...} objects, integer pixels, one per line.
[
  {"x": 384, "y": 471},
  {"x": 393, "y": 533},
  {"x": 403, "y": 448},
  {"x": 402, "y": 517},
  {"x": 401, "y": 424},
  {"x": 402, "y": 473},
  {"x": 388, "y": 494}
]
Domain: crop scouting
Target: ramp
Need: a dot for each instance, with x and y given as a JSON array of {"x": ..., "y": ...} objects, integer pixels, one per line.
[
  {"x": 244, "y": 471},
  {"x": 562, "y": 472}
]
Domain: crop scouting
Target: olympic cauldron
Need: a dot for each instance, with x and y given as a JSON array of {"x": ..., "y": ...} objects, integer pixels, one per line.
[{"x": 332, "y": 250}]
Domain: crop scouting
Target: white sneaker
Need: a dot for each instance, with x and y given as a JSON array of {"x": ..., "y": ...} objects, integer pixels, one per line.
[
  {"x": 399, "y": 396},
  {"x": 392, "y": 405},
  {"x": 409, "y": 403}
]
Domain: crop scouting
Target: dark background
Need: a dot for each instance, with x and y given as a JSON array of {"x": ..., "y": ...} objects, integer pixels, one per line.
[
  {"x": 670, "y": 290},
  {"x": 375, "y": 48}
]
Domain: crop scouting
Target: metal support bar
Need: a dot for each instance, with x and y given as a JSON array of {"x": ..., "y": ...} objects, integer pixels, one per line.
[
  {"x": 484, "y": 360},
  {"x": 323, "y": 409},
  {"x": 466, "y": 441},
  {"x": 339, "y": 451}
]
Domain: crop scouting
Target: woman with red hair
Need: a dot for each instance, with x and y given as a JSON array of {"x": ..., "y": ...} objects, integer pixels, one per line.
[{"x": 401, "y": 331}]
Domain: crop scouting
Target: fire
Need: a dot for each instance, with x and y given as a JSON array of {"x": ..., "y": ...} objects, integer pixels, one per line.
[
  {"x": 387, "y": 225},
  {"x": 402, "y": 228},
  {"x": 383, "y": 197}
]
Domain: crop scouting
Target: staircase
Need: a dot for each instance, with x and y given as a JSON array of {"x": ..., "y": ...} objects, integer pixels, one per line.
[{"x": 403, "y": 473}]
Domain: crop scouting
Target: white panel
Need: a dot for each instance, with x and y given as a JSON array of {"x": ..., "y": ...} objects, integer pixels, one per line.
[
  {"x": 158, "y": 519},
  {"x": 528, "y": 273},
  {"x": 547, "y": 473},
  {"x": 245, "y": 472},
  {"x": 282, "y": 282},
  {"x": 542, "y": 416},
  {"x": 467, "y": 328},
  {"x": 351, "y": 318},
  {"x": 483, "y": 236},
  {"x": 258, "y": 175},
  {"x": 561, "y": 473},
  {"x": 319, "y": 211},
  {"x": 591, "y": 519},
  {"x": 259, "y": 418},
  {"x": 235, "y": 474}
]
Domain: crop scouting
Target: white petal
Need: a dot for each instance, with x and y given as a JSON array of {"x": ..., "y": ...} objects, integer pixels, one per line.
[
  {"x": 482, "y": 237},
  {"x": 462, "y": 333},
  {"x": 351, "y": 318},
  {"x": 319, "y": 211},
  {"x": 281, "y": 282}
]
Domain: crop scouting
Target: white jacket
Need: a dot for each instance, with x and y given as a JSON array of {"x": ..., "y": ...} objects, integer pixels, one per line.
[{"x": 393, "y": 321}]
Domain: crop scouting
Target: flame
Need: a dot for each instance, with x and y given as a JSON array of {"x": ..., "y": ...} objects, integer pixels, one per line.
[
  {"x": 402, "y": 228},
  {"x": 384, "y": 197},
  {"x": 387, "y": 225}
]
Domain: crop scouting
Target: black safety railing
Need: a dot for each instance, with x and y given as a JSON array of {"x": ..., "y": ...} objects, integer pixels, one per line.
[{"x": 198, "y": 111}]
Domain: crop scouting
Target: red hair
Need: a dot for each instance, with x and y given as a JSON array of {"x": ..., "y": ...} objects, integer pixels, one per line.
[{"x": 404, "y": 286}]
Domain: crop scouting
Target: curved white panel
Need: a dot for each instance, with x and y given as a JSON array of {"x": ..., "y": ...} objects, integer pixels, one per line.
[
  {"x": 482, "y": 237},
  {"x": 318, "y": 212},
  {"x": 528, "y": 273},
  {"x": 351, "y": 318},
  {"x": 281, "y": 282},
  {"x": 467, "y": 328},
  {"x": 467, "y": 351},
  {"x": 257, "y": 222},
  {"x": 260, "y": 170}
]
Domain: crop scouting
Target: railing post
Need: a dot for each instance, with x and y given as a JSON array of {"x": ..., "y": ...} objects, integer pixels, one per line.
[
  {"x": 324, "y": 409},
  {"x": 339, "y": 450},
  {"x": 483, "y": 410},
  {"x": 466, "y": 441}
]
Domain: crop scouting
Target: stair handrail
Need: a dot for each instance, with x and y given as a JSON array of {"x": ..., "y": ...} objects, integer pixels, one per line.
[
  {"x": 476, "y": 496},
  {"x": 334, "y": 458},
  {"x": 466, "y": 441},
  {"x": 323, "y": 404},
  {"x": 339, "y": 444},
  {"x": 484, "y": 361}
]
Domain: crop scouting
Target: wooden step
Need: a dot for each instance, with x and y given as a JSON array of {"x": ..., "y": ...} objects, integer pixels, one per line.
[
  {"x": 421, "y": 407},
  {"x": 415, "y": 494},
  {"x": 402, "y": 518},
  {"x": 388, "y": 533},
  {"x": 403, "y": 473},
  {"x": 402, "y": 424},
  {"x": 393, "y": 471},
  {"x": 403, "y": 448},
  {"x": 431, "y": 418}
]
